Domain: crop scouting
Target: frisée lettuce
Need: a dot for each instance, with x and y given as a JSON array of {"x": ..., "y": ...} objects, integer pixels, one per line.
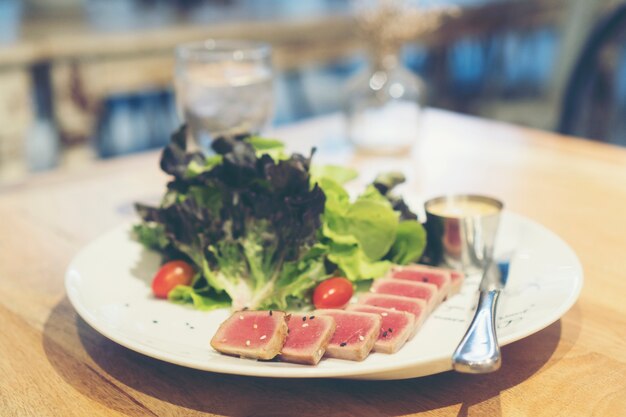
[{"x": 263, "y": 227}]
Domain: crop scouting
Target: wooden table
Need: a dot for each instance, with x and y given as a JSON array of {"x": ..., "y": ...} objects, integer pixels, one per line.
[{"x": 53, "y": 364}]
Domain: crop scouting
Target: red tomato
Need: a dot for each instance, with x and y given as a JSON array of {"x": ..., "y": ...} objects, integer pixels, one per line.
[
  {"x": 170, "y": 275},
  {"x": 333, "y": 293}
]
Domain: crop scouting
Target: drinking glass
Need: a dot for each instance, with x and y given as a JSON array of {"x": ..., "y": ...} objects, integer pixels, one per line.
[{"x": 223, "y": 87}]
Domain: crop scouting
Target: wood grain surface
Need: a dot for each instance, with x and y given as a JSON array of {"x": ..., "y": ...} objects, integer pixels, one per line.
[{"x": 53, "y": 364}]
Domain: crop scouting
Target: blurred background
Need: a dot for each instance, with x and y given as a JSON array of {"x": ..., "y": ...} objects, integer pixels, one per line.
[{"x": 82, "y": 80}]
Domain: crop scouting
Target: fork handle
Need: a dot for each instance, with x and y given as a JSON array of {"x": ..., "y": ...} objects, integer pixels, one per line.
[{"x": 478, "y": 352}]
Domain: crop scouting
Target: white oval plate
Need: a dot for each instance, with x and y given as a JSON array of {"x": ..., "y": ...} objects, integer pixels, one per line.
[{"x": 108, "y": 283}]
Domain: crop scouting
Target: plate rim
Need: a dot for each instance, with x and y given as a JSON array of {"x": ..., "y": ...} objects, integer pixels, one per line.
[{"x": 369, "y": 372}]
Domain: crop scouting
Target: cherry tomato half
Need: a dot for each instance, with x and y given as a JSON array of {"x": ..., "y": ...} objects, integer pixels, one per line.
[
  {"x": 332, "y": 293},
  {"x": 170, "y": 275}
]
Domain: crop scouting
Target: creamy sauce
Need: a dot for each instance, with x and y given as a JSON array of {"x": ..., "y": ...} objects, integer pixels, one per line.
[{"x": 462, "y": 208}]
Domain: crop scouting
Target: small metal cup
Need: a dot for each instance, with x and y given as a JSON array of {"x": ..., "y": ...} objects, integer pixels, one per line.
[{"x": 463, "y": 241}]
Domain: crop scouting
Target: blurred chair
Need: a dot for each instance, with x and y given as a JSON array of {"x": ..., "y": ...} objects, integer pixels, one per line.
[{"x": 594, "y": 100}]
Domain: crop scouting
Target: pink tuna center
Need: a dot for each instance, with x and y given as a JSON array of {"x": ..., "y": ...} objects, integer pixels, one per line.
[
  {"x": 250, "y": 330},
  {"x": 406, "y": 290},
  {"x": 401, "y": 305},
  {"x": 391, "y": 323},
  {"x": 421, "y": 276},
  {"x": 351, "y": 330},
  {"x": 305, "y": 334}
]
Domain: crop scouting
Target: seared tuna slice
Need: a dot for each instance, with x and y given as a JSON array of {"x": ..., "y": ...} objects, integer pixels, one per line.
[
  {"x": 252, "y": 334},
  {"x": 307, "y": 338},
  {"x": 415, "y": 306},
  {"x": 396, "y": 327},
  {"x": 422, "y": 273},
  {"x": 457, "y": 281},
  {"x": 355, "y": 335},
  {"x": 412, "y": 289}
]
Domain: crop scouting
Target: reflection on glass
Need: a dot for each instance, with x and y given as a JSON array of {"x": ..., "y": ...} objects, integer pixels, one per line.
[{"x": 224, "y": 88}]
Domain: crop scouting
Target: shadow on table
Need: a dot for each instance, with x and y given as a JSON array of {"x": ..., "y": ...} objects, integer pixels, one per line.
[{"x": 137, "y": 385}]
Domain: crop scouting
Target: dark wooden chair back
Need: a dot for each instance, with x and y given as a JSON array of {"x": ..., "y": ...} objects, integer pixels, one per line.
[{"x": 594, "y": 101}]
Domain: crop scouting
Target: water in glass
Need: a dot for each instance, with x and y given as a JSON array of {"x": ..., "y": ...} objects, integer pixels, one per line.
[{"x": 224, "y": 93}]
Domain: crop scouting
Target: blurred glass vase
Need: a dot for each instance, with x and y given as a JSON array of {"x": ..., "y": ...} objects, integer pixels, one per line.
[{"x": 383, "y": 106}]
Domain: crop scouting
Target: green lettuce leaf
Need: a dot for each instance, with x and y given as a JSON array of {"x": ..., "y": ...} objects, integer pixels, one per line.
[
  {"x": 339, "y": 174},
  {"x": 265, "y": 146},
  {"x": 370, "y": 221},
  {"x": 197, "y": 167},
  {"x": 374, "y": 225},
  {"x": 297, "y": 280},
  {"x": 201, "y": 300},
  {"x": 151, "y": 235},
  {"x": 354, "y": 264},
  {"x": 371, "y": 193},
  {"x": 409, "y": 244},
  {"x": 360, "y": 233},
  {"x": 385, "y": 184}
]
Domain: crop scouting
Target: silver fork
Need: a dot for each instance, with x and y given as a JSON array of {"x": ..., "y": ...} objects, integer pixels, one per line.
[{"x": 479, "y": 351}]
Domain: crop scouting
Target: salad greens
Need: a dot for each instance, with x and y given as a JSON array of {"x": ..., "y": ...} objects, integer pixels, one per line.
[{"x": 262, "y": 227}]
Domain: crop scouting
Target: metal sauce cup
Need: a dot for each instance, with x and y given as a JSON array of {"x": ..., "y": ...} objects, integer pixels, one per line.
[{"x": 462, "y": 230}]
